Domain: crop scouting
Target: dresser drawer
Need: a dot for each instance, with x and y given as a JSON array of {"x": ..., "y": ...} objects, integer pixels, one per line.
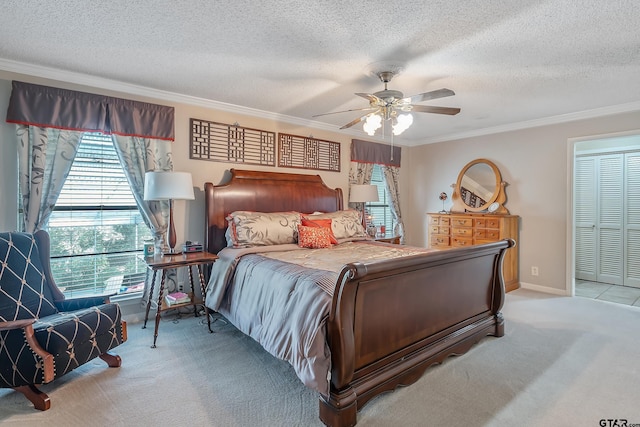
[
  {"x": 482, "y": 242},
  {"x": 461, "y": 222},
  {"x": 492, "y": 234},
  {"x": 462, "y": 231},
  {"x": 439, "y": 241},
  {"x": 436, "y": 229},
  {"x": 493, "y": 223},
  {"x": 458, "y": 241}
]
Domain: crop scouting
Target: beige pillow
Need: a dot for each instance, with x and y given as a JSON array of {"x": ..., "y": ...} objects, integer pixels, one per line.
[
  {"x": 344, "y": 224},
  {"x": 247, "y": 229}
]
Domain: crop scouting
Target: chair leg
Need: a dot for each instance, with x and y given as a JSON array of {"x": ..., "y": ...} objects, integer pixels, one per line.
[
  {"x": 113, "y": 360},
  {"x": 39, "y": 399}
]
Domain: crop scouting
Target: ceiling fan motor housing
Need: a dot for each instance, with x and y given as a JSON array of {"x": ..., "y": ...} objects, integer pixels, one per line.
[{"x": 389, "y": 95}]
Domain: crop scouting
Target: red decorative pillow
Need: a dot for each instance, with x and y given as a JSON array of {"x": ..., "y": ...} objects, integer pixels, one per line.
[
  {"x": 322, "y": 223},
  {"x": 313, "y": 237}
]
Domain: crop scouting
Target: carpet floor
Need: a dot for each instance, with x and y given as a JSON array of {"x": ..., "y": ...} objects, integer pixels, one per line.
[{"x": 562, "y": 362}]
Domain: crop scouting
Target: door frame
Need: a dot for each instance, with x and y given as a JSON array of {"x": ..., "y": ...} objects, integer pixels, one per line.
[{"x": 570, "y": 280}]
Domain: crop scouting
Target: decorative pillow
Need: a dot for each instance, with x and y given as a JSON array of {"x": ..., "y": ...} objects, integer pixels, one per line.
[
  {"x": 313, "y": 237},
  {"x": 228, "y": 234},
  {"x": 262, "y": 229},
  {"x": 322, "y": 223},
  {"x": 344, "y": 224}
]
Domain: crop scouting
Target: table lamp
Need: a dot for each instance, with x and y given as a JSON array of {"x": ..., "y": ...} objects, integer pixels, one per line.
[
  {"x": 169, "y": 186},
  {"x": 363, "y": 193}
]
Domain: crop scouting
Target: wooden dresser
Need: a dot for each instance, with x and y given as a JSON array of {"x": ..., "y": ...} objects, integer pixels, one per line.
[{"x": 465, "y": 229}]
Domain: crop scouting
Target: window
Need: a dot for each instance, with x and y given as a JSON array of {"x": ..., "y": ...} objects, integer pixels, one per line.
[
  {"x": 381, "y": 210},
  {"x": 96, "y": 229}
]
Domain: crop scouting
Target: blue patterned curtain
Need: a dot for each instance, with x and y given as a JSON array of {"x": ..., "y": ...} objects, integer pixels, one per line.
[
  {"x": 137, "y": 156},
  {"x": 45, "y": 156},
  {"x": 391, "y": 179},
  {"x": 359, "y": 173}
]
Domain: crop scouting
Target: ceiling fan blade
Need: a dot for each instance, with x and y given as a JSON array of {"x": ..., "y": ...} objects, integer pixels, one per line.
[
  {"x": 346, "y": 111},
  {"x": 437, "y": 110},
  {"x": 372, "y": 98},
  {"x": 434, "y": 94},
  {"x": 354, "y": 122}
]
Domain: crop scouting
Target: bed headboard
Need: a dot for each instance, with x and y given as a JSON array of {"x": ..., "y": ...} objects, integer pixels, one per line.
[{"x": 263, "y": 192}]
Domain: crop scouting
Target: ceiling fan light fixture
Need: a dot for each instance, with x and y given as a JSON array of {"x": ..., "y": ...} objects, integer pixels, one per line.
[
  {"x": 403, "y": 121},
  {"x": 372, "y": 123},
  {"x": 388, "y": 104}
]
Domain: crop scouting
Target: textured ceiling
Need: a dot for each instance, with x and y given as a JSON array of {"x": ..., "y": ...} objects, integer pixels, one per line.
[{"x": 511, "y": 63}]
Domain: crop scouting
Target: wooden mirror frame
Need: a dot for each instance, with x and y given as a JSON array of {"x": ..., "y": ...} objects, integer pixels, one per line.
[{"x": 494, "y": 205}]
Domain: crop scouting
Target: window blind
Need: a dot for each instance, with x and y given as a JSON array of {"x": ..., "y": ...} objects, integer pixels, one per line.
[
  {"x": 96, "y": 230},
  {"x": 380, "y": 210}
]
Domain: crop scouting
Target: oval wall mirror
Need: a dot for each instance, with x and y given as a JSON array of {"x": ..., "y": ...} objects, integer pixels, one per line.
[{"x": 479, "y": 188}]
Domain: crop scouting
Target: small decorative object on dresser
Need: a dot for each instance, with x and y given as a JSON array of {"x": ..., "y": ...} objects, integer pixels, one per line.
[{"x": 443, "y": 197}]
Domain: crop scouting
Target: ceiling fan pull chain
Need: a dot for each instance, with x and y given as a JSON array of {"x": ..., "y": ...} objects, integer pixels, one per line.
[{"x": 391, "y": 145}]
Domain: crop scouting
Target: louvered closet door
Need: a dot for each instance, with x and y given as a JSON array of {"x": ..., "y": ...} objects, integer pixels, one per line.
[
  {"x": 610, "y": 219},
  {"x": 585, "y": 218},
  {"x": 632, "y": 222}
]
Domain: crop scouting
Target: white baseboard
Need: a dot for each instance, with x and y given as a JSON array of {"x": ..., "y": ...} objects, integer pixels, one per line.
[
  {"x": 545, "y": 289},
  {"x": 131, "y": 306}
]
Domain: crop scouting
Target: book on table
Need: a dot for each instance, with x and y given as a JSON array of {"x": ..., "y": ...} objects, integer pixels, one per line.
[{"x": 177, "y": 298}]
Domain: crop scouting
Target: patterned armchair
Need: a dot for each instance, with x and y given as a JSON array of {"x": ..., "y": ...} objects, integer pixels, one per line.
[{"x": 42, "y": 335}]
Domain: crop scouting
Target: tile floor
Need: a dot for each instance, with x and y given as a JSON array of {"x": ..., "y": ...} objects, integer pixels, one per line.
[{"x": 606, "y": 292}]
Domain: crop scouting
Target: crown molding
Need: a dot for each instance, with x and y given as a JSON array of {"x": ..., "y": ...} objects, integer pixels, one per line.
[
  {"x": 545, "y": 121},
  {"x": 118, "y": 86},
  {"x": 128, "y": 88}
]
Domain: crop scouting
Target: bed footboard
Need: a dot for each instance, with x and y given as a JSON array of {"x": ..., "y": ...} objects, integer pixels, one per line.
[{"x": 390, "y": 320}]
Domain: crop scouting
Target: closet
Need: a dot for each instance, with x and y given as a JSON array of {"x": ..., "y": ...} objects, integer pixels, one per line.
[{"x": 607, "y": 218}]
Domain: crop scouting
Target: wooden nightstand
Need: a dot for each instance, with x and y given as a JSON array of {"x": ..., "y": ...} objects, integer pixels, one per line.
[
  {"x": 164, "y": 263},
  {"x": 392, "y": 239}
]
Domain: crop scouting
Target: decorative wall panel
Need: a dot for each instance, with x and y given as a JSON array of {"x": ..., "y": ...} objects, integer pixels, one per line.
[
  {"x": 221, "y": 142},
  {"x": 308, "y": 153}
]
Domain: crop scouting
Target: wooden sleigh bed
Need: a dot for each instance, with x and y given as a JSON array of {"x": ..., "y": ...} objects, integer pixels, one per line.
[{"x": 389, "y": 320}]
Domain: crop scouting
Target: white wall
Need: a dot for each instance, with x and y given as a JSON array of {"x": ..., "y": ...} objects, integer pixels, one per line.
[
  {"x": 534, "y": 162},
  {"x": 189, "y": 219}
]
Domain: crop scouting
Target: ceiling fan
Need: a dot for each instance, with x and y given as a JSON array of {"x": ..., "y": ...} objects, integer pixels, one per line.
[{"x": 390, "y": 104}]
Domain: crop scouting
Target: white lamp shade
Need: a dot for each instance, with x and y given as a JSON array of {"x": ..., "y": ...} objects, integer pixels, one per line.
[
  {"x": 363, "y": 193},
  {"x": 168, "y": 186}
]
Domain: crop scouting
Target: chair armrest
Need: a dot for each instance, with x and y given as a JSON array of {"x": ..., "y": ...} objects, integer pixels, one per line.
[
  {"x": 79, "y": 303},
  {"x": 16, "y": 324},
  {"x": 47, "y": 358}
]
